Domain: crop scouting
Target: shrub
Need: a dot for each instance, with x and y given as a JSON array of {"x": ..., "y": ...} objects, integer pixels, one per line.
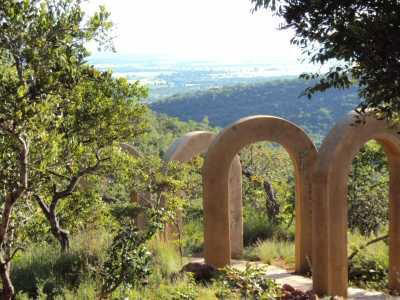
[
  {"x": 250, "y": 283},
  {"x": 70, "y": 268},
  {"x": 367, "y": 272},
  {"x": 183, "y": 289},
  {"x": 128, "y": 261},
  {"x": 257, "y": 227}
]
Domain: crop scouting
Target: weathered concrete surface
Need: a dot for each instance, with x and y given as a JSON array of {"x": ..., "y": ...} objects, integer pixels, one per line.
[
  {"x": 282, "y": 276},
  {"x": 216, "y": 183},
  {"x": 330, "y": 178},
  {"x": 196, "y": 143}
]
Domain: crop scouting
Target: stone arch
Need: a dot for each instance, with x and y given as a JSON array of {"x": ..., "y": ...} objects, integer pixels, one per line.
[
  {"x": 215, "y": 182},
  {"x": 196, "y": 143},
  {"x": 330, "y": 266}
]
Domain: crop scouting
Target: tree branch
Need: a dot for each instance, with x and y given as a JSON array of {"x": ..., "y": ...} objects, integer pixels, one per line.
[
  {"x": 355, "y": 252},
  {"x": 42, "y": 204},
  {"x": 68, "y": 191},
  {"x": 74, "y": 182},
  {"x": 13, "y": 254},
  {"x": 58, "y": 175}
]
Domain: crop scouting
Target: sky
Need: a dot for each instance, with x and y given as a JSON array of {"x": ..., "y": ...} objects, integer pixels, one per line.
[{"x": 193, "y": 29}]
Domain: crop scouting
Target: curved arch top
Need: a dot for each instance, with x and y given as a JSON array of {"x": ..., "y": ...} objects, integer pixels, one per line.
[
  {"x": 196, "y": 143},
  {"x": 215, "y": 182},
  {"x": 191, "y": 144},
  {"x": 330, "y": 178}
]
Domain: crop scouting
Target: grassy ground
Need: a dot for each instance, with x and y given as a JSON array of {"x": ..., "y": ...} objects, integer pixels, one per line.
[{"x": 41, "y": 271}]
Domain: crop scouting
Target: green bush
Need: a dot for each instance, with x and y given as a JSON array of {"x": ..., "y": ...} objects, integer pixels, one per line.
[
  {"x": 70, "y": 268},
  {"x": 250, "y": 283},
  {"x": 367, "y": 272},
  {"x": 128, "y": 261},
  {"x": 257, "y": 227}
]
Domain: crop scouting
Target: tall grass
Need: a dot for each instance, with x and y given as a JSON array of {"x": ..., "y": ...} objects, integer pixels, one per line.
[
  {"x": 275, "y": 252},
  {"x": 193, "y": 237},
  {"x": 33, "y": 267},
  {"x": 166, "y": 257},
  {"x": 41, "y": 268}
]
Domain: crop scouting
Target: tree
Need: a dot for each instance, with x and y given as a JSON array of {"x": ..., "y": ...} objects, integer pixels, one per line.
[
  {"x": 49, "y": 119},
  {"x": 358, "y": 39},
  {"x": 368, "y": 190},
  {"x": 98, "y": 115}
]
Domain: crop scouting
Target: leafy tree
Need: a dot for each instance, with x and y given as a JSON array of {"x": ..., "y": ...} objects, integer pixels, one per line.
[
  {"x": 98, "y": 115},
  {"x": 268, "y": 181},
  {"x": 360, "y": 41},
  {"x": 59, "y": 118},
  {"x": 368, "y": 190}
]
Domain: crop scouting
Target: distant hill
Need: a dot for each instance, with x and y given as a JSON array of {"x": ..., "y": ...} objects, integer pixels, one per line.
[{"x": 223, "y": 106}]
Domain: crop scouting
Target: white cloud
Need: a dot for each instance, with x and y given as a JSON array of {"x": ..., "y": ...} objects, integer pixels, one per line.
[{"x": 197, "y": 29}]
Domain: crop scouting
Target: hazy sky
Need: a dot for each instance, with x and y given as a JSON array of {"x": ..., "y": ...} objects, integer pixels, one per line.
[{"x": 200, "y": 29}]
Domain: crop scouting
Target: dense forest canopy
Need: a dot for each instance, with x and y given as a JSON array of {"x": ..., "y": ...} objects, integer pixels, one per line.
[{"x": 278, "y": 98}]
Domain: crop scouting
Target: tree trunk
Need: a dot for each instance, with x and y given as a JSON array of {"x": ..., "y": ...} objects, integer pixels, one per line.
[
  {"x": 5, "y": 244},
  {"x": 6, "y": 238},
  {"x": 8, "y": 288},
  {"x": 271, "y": 203},
  {"x": 60, "y": 234}
]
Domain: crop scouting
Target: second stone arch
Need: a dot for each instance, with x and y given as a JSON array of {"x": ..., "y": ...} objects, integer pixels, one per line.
[
  {"x": 217, "y": 243},
  {"x": 197, "y": 143}
]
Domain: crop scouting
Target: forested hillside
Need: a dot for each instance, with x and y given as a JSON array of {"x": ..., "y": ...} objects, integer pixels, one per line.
[{"x": 279, "y": 98}]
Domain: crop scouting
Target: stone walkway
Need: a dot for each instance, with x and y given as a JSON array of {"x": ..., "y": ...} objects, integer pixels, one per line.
[{"x": 304, "y": 284}]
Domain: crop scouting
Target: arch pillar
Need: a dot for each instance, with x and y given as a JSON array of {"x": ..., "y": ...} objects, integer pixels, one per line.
[
  {"x": 196, "y": 143},
  {"x": 216, "y": 183},
  {"x": 330, "y": 222}
]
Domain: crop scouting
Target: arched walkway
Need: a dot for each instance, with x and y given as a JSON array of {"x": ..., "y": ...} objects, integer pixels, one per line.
[
  {"x": 195, "y": 143},
  {"x": 215, "y": 182},
  {"x": 330, "y": 267}
]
